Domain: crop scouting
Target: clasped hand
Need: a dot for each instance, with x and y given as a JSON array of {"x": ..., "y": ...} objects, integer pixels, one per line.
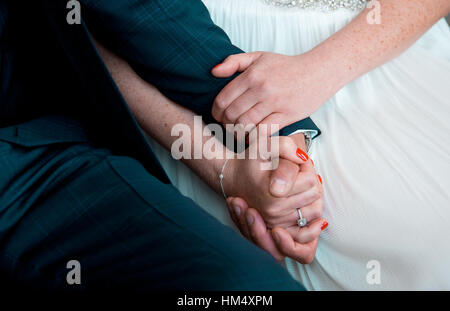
[
  {"x": 263, "y": 203},
  {"x": 272, "y": 88}
]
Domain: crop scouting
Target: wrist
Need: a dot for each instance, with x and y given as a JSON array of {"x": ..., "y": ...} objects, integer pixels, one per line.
[
  {"x": 330, "y": 68},
  {"x": 226, "y": 175}
]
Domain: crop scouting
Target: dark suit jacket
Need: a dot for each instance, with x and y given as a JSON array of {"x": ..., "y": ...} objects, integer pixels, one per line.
[{"x": 55, "y": 87}]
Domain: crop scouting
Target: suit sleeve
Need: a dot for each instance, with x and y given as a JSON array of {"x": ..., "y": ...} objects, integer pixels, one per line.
[{"x": 172, "y": 44}]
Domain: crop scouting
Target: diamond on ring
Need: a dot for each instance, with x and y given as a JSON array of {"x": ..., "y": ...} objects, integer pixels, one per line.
[{"x": 302, "y": 221}]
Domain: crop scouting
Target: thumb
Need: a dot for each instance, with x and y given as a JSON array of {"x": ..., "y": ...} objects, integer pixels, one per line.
[
  {"x": 234, "y": 63},
  {"x": 283, "y": 178}
]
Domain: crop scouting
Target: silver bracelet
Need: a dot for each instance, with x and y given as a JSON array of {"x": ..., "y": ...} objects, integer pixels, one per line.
[{"x": 221, "y": 179}]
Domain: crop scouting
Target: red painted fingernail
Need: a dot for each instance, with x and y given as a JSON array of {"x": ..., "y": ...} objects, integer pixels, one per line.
[
  {"x": 302, "y": 155},
  {"x": 320, "y": 179},
  {"x": 324, "y": 225},
  {"x": 216, "y": 66}
]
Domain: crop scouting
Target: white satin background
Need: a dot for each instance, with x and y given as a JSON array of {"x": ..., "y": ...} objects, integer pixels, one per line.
[{"x": 384, "y": 154}]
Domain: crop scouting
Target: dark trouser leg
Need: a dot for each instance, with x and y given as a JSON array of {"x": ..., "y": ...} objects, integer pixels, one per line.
[{"x": 127, "y": 229}]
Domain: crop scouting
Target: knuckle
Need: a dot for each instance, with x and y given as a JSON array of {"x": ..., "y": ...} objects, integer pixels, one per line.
[
  {"x": 309, "y": 255},
  {"x": 321, "y": 192},
  {"x": 310, "y": 180},
  {"x": 220, "y": 103},
  {"x": 231, "y": 59},
  {"x": 253, "y": 115},
  {"x": 254, "y": 77},
  {"x": 318, "y": 190},
  {"x": 309, "y": 258},
  {"x": 271, "y": 213},
  {"x": 215, "y": 112},
  {"x": 315, "y": 195},
  {"x": 315, "y": 214},
  {"x": 229, "y": 115},
  {"x": 242, "y": 122}
]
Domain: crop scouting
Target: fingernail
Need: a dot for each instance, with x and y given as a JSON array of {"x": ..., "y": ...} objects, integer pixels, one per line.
[
  {"x": 216, "y": 66},
  {"x": 324, "y": 225},
  {"x": 250, "y": 220},
  {"x": 237, "y": 210},
  {"x": 320, "y": 179},
  {"x": 278, "y": 185},
  {"x": 302, "y": 155},
  {"x": 276, "y": 237}
]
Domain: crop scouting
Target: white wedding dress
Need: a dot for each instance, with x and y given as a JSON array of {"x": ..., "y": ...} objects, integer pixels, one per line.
[{"x": 384, "y": 154}]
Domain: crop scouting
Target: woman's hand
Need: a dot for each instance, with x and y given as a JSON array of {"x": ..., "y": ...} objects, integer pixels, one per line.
[
  {"x": 297, "y": 243},
  {"x": 278, "y": 89},
  {"x": 273, "y": 88}
]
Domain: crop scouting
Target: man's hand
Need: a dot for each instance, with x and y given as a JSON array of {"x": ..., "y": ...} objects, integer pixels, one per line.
[{"x": 273, "y": 89}]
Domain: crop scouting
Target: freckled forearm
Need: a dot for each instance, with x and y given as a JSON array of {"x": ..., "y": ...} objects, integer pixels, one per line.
[
  {"x": 360, "y": 46},
  {"x": 157, "y": 115}
]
